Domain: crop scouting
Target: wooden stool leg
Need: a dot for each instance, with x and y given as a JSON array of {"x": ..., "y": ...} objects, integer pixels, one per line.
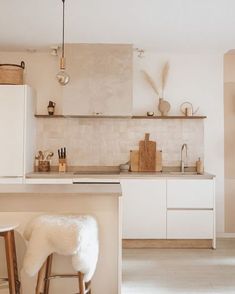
[
  {"x": 48, "y": 273},
  {"x": 41, "y": 279},
  {"x": 43, "y": 275},
  {"x": 81, "y": 283},
  {"x": 14, "y": 284},
  {"x": 88, "y": 287}
]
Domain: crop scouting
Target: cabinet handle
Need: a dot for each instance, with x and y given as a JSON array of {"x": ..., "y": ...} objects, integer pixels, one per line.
[{"x": 181, "y": 208}]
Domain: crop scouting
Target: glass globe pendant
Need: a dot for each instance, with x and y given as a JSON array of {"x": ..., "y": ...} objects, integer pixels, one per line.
[{"x": 62, "y": 77}]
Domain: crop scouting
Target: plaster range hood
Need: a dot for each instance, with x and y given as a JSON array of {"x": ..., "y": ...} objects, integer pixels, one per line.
[{"x": 101, "y": 80}]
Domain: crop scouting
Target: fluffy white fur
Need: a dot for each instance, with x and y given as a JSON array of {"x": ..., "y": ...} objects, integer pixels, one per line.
[{"x": 66, "y": 235}]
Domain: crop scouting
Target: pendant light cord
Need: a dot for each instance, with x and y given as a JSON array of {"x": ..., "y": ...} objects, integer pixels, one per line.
[{"x": 63, "y": 31}]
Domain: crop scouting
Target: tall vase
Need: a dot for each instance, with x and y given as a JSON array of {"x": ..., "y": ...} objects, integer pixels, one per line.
[{"x": 164, "y": 107}]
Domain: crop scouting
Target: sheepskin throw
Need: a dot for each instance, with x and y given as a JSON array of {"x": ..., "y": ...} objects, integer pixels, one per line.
[{"x": 66, "y": 235}]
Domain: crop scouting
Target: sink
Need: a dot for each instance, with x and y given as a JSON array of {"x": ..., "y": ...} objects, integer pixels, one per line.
[
  {"x": 183, "y": 173},
  {"x": 97, "y": 172}
]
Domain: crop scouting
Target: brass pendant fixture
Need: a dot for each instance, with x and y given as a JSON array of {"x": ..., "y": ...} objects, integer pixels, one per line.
[{"x": 62, "y": 77}]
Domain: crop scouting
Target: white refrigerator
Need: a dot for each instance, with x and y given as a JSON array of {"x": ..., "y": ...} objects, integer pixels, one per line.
[{"x": 17, "y": 132}]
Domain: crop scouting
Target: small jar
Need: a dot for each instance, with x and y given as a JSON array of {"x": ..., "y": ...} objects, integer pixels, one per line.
[
  {"x": 199, "y": 166},
  {"x": 51, "y": 107}
]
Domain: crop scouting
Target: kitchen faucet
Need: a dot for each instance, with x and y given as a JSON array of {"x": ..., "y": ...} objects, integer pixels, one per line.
[{"x": 183, "y": 162}]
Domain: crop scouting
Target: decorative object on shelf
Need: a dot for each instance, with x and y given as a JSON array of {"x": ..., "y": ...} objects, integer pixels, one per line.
[
  {"x": 12, "y": 74},
  {"x": 151, "y": 82},
  {"x": 163, "y": 106},
  {"x": 62, "y": 77},
  {"x": 150, "y": 113},
  {"x": 164, "y": 76},
  {"x": 187, "y": 109},
  {"x": 97, "y": 113},
  {"x": 51, "y": 107},
  {"x": 62, "y": 159}
]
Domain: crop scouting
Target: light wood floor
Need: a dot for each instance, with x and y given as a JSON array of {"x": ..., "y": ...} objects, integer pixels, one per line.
[{"x": 150, "y": 271}]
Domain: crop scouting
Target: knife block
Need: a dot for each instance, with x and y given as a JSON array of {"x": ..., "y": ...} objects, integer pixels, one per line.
[{"x": 62, "y": 165}]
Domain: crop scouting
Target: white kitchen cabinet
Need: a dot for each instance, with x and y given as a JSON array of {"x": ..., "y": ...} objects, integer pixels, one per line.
[
  {"x": 17, "y": 131},
  {"x": 190, "y": 209},
  {"x": 171, "y": 208},
  {"x": 190, "y": 224},
  {"x": 190, "y": 193},
  {"x": 100, "y": 80},
  {"x": 144, "y": 208}
]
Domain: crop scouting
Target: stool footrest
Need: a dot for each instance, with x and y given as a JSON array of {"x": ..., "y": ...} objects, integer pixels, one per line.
[{"x": 62, "y": 276}]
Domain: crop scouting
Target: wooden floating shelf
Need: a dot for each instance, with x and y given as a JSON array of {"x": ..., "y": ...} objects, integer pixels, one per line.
[
  {"x": 168, "y": 117},
  {"x": 119, "y": 116},
  {"x": 80, "y": 116}
]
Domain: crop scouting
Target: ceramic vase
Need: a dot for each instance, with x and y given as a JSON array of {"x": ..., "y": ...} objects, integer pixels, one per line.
[{"x": 163, "y": 107}]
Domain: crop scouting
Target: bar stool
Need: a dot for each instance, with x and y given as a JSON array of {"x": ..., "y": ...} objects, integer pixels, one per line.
[
  {"x": 45, "y": 276},
  {"x": 7, "y": 232},
  {"x": 69, "y": 235}
]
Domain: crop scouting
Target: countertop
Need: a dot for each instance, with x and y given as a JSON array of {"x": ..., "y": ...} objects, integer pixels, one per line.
[
  {"x": 117, "y": 175},
  {"x": 113, "y": 189}
]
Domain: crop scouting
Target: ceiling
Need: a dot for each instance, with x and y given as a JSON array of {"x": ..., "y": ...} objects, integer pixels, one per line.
[{"x": 166, "y": 25}]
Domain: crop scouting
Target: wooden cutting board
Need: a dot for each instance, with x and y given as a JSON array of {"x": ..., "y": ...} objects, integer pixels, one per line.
[
  {"x": 158, "y": 161},
  {"x": 134, "y": 161},
  {"x": 147, "y": 154}
]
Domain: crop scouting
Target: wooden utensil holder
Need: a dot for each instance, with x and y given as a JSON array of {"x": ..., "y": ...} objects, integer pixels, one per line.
[
  {"x": 44, "y": 166},
  {"x": 62, "y": 165}
]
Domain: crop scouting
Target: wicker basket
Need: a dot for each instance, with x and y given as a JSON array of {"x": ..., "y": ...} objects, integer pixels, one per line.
[{"x": 11, "y": 74}]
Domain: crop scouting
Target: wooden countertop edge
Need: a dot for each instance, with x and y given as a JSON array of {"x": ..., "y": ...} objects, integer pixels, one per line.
[
  {"x": 121, "y": 176},
  {"x": 84, "y": 189}
]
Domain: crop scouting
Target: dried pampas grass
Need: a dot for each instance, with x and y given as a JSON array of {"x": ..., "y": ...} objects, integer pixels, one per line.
[
  {"x": 150, "y": 81},
  {"x": 163, "y": 79},
  {"x": 164, "y": 75}
]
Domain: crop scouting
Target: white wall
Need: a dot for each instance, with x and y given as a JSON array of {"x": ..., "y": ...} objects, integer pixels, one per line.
[
  {"x": 198, "y": 79},
  {"x": 40, "y": 73},
  {"x": 194, "y": 78}
]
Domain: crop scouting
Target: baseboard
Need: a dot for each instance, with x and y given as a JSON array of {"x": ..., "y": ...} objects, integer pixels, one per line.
[
  {"x": 170, "y": 243},
  {"x": 225, "y": 235}
]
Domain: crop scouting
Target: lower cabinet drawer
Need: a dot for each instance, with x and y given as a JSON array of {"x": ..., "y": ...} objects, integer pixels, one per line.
[
  {"x": 190, "y": 193},
  {"x": 190, "y": 224}
]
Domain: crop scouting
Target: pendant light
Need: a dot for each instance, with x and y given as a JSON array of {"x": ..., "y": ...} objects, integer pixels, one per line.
[{"x": 62, "y": 77}]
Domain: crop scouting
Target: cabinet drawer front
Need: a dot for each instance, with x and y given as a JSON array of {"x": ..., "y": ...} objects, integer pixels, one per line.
[
  {"x": 144, "y": 209},
  {"x": 196, "y": 224},
  {"x": 190, "y": 193}
]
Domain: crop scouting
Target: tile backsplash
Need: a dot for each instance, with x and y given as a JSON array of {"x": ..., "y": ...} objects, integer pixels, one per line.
[{"x": 108, "y": 141}]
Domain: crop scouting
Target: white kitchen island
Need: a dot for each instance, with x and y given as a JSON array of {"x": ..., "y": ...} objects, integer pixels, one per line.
[{"x": 20, "y": 203}]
